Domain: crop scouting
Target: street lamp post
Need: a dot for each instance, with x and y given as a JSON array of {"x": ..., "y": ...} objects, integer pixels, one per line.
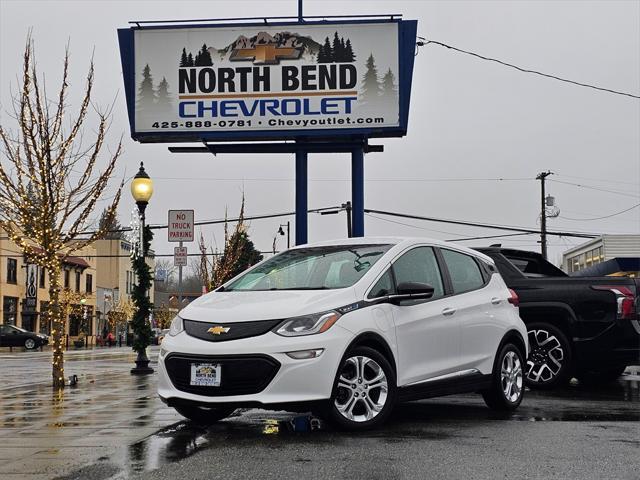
[
  {"x": 141, "y": 190},
  {"x": 281, "y": 232}
]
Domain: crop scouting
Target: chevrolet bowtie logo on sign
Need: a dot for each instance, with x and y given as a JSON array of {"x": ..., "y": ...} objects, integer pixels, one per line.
[
  {"x": 265, "y": 54},
  {"x": 218, "y": 330}
]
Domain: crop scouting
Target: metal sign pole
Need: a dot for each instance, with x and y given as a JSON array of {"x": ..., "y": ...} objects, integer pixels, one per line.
[
  {"x": 357, "y": 191},
  {"x": 301, "y": 198},
  {"x": 180, "y": 283}
]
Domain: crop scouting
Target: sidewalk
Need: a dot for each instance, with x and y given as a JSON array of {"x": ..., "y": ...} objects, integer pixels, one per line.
[{"x": 47, "y": 434}]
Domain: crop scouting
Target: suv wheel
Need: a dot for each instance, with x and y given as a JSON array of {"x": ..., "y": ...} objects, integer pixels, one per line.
[
  {"x": 204, "y": 415},
  {"x": 549, "y": 359},
  {"x": 364, "y": 390},
  {"x": 507, "y": 387}
]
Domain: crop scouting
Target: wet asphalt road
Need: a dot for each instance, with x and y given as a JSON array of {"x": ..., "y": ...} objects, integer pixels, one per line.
[
  {"x": 112, "y": 426},
  {"x": 573, "y": 433}
]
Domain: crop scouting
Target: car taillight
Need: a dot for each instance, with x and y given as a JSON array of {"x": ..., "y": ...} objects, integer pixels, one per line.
[
  {"x": 513, "y": 298},
  {"x": 625, "y": 300}
]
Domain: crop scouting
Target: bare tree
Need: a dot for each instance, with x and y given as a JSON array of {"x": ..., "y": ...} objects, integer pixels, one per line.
[
  {"x": 238, "y": 254},
  {"x": 50, "y": 181}
]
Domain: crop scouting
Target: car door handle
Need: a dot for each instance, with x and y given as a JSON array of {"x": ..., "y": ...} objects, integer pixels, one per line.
[
  {"x": 448, "y": 311},
  {"x": 495, "y": 301}
]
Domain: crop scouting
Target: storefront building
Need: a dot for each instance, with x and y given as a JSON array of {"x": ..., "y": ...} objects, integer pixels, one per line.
[{"x": 616, "y": 255}]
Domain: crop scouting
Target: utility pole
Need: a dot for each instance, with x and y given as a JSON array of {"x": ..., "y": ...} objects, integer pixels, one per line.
[{"x": 543, "y": 212}]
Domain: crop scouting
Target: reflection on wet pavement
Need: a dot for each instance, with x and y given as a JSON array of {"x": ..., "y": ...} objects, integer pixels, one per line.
[
  {"x": 112, "y": 425},
  {"x": 618, "y": 402}
]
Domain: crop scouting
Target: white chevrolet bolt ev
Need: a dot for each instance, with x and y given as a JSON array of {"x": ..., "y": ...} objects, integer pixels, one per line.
[{"x": 348, "y": 328}]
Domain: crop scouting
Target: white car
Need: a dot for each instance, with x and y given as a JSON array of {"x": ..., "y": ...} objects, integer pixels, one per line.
[{"x": 348, "y": 328}]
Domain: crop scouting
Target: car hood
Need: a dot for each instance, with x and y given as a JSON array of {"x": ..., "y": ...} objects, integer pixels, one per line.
[{"x": 238, "y": 306}]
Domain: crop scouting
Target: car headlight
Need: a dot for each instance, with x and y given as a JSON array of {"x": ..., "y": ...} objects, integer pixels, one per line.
[
  {"x": 307, "y": 324},
  {"x": 177, "y": 326}
]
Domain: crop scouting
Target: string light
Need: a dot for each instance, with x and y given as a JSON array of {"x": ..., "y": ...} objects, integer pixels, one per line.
[{"x": 44, "y": 210}]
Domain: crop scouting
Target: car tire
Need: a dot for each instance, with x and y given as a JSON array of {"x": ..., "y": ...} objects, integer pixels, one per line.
[
  {"x": 549, "y": 361},
  {"x": 204, "y": 415},
  {"x": 30, "y": 344},
  {"x": 364, "y": 390},
  {"x": 507, "y": 380},
  {"x": 600, "y": 377}
]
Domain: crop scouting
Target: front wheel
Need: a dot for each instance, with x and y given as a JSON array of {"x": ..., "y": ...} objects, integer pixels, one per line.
[
  {"x": 364, "y": 390},
  {"x": 29, "y": 344},
  {"x": 204, "y": 415},
  {"x": 549, "y": 362},
  {"x": 507, "y": 381}
]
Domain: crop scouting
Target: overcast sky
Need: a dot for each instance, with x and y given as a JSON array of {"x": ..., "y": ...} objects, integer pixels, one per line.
[{"x": 470, "y": 120}]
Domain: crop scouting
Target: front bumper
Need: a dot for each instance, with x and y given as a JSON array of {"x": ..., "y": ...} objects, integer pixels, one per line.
[{"x": 292, "y": 381}]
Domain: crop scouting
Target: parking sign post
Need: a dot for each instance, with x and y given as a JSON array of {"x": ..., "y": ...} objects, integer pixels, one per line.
[{"x": 180, "y": 230}]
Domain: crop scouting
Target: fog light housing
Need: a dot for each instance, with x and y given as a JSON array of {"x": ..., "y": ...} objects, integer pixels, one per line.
[{"x": 305, "y": 354}]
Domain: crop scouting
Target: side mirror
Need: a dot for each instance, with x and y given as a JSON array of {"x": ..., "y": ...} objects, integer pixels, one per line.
[{"x": 413, "y": 291}]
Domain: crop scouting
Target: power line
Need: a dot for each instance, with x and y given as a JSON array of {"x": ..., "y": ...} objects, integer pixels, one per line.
[
  {"x": 524, "y": 70},
  {"x": 580, "y": 185},
  {"x": 482, "y": 225},
  {"x": 605, "y": 216},
  {"x": 635, "y": 184},
  {"x": 212, "y": 179}
]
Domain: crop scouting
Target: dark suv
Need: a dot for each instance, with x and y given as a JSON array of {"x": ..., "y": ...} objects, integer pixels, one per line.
[{"x": 587, "y": 327}]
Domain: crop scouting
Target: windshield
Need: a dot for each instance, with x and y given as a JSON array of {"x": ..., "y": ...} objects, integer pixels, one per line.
[{"x": 314, "y": 268}]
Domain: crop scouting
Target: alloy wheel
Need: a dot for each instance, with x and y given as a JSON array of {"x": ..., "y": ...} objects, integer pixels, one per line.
[
  {"x": 362, "y": 389},
  {"x": 29, "y": 344},
  {"x": 546, "y": 357},
  {"x": 511, "y": 376}
]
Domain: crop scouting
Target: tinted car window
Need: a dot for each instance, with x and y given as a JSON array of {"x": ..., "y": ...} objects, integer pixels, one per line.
[
  {"x": 383, "y": 287},
  {"x": 463, "y": 270},
  {"x": 419, "y": 265}
]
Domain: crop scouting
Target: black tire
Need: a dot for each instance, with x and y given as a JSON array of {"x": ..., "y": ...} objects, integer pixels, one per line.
[
  {"x": 30, "y": 344},
  {"x": 600, "y": 377},
  {"x": 362, "y": 398},
  {"x": 204, "y": 415},
  {"x": 549, "y": 361},
  {"x": 506, "y": 390}
]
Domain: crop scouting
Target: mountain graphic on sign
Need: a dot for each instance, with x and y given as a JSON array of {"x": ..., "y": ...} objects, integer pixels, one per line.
[{"x": 308, "y": 47}]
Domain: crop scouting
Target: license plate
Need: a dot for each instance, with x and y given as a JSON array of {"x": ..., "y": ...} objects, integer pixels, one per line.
[{"x": 205, "y": 374}]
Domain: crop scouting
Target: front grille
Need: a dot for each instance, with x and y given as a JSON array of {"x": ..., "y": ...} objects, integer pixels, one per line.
[
  {"x": 236, "y": 330},
  {"x": 240, "y": 374}
]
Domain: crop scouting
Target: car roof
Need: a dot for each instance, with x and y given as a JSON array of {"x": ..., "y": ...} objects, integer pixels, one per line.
[{"x": 396, "y": 241}]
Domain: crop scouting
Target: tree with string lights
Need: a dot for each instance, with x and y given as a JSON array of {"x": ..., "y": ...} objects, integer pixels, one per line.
[{"x": 50, "y": 181}]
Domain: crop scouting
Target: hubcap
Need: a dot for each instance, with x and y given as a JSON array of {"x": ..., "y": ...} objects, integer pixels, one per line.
[
  {"x": 546, "y": 356},
  {"x": 511, "y": 377},
  {"x": 30, "y": 343},
  {"x": 362, "y": 389}
]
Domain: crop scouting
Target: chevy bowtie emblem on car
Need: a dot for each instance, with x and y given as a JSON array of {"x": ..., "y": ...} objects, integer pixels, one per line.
[{"x": 218, "y": 330}]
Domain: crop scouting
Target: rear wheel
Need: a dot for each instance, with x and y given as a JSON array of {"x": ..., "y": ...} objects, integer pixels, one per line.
[
  {"x": 507, "y": 381},
  {"x": 364, "y": 390},
  {"x": 204, "y": 415},
  {"x": 600, "y": 377},
  {"x": 549, "y": 362}
]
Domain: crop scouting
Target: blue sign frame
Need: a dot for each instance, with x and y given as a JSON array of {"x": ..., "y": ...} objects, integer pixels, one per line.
[{"x": 407, "y": 30}]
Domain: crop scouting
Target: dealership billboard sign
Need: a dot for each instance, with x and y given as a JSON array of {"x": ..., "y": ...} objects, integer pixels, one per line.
[{"x": 268, "y": 81}]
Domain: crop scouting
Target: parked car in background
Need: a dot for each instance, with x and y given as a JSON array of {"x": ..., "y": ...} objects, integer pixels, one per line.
[
  {"x": 12, "y": 336},
  {"x": 587, "y": 327},
  {"x": 348, "y": 329}
]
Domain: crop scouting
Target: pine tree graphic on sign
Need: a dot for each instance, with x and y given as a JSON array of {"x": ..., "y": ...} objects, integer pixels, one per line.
[
  {"x": 146, "y": 92},
  {"x": 370, "y": 91}
]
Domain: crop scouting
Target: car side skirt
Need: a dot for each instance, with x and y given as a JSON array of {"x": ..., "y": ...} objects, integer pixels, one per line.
[{"x": 462, "y": 382}]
